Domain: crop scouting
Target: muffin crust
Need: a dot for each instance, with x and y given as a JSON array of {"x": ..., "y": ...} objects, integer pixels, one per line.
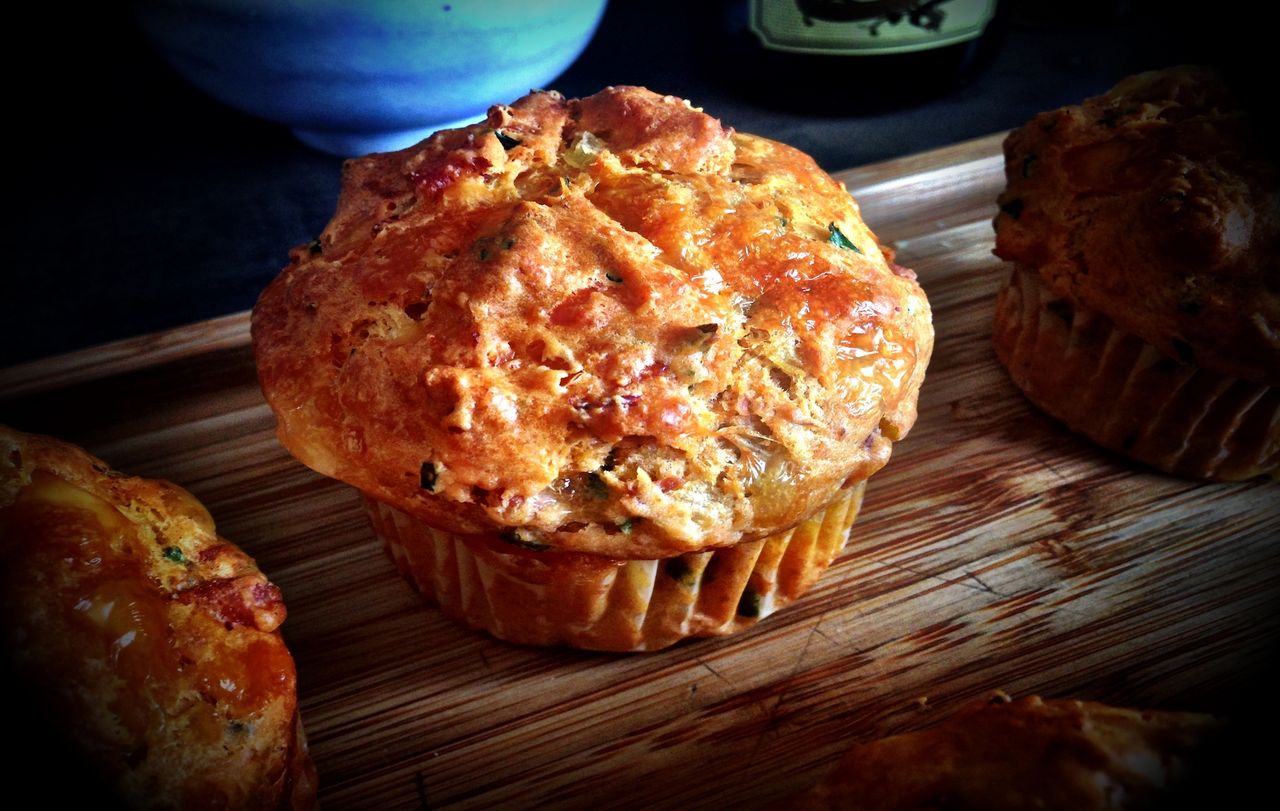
[
  {"x": 606, "y": 325},
  {"x": 1158, "y": 206},
  {"x": 1025, "y": 755},
  {"x": 149, "y": 640}
]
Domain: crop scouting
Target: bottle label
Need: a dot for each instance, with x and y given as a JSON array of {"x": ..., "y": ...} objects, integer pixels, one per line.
[{"x": 867, "y": 27}]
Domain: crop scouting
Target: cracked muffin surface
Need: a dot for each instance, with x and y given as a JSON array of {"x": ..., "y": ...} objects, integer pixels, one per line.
[
  {"x": 607, "y": 325},
  {"x": 149, "y": 641},
  {"x": 1033, "y": 753},
  {"x": 1157, "y": 205},
  {"x": 1143, "y": 306}
]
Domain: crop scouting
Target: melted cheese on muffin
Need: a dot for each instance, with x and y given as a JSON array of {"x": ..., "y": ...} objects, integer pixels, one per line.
[
  {"x": 608, "y": 325},
  {"x": 150, "y": 641}
]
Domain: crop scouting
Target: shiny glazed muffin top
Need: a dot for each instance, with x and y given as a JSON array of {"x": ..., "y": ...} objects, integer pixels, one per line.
[
  {"x": 1158, "y": 206},
  {"x": 147, "y": 639},
  {"x": 607, "y": 325}
]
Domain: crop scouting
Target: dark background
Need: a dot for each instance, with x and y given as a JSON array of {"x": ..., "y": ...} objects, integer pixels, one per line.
[{"x": 137, "y": 204}]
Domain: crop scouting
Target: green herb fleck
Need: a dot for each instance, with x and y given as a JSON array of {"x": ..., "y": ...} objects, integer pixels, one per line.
[
  {"x": 749, "y": 604},
  {"x": 174, "y": 554},
  {"x": 782, "y": 222},
  {"x": 427, "y": 476},
  {"x": 314, "y": 247},
  {"x": 484, "y": 254},
  {"x": 521, "y": 539},
  {"x": 613, "y": 277},
  {"x": 838, "y": 239},
  {"x": 679, "y": 570},
  {"x": 627, "y": 525},
  {"x": 1028, "y": 162},
  {"x": 506, "y": 140},
  {"x": 596, "y": 486},
  {"x": 508, "y": 244}
]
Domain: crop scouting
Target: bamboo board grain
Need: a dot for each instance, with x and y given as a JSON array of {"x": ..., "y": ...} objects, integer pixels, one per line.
[{"x": 996, "y": 550}]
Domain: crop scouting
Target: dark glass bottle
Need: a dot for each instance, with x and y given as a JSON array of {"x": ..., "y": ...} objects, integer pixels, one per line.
[{"x": 852, "y": 56}]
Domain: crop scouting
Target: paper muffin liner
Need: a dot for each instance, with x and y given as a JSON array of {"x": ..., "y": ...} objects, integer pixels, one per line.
[
  {"x": 1128, "y": 396},
  {"x": 615, "y": 604}
]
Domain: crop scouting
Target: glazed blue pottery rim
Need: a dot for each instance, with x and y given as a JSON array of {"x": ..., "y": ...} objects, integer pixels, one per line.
[
  {"x": 349, "y": 144},
  {"x": 350, "y": 77}
]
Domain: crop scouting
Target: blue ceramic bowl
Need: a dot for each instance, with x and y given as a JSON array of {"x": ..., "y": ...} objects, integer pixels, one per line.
[{"x": 352, "y": 77}]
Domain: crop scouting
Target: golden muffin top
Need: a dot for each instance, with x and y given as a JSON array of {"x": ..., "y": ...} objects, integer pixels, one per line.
[
  {"x": 150, "y": 641},
  {"x": 1158, "y": 206},
  {"x": 608, "y": 325},
  {"x": 1048, "y": 755}
]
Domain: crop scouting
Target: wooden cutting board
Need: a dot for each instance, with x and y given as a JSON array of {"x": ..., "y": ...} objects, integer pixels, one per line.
[{"x": 996, "y": 550}]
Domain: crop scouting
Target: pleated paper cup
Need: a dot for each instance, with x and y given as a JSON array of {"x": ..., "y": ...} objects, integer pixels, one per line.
[
  {"x": 1128, "y": 396},
  {"x": 614, "y": 604}
]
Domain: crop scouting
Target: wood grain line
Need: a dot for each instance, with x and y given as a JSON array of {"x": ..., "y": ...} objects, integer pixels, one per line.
[{"x": 995, "y": 550}]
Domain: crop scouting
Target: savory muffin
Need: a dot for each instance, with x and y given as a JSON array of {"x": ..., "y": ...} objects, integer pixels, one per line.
[
  {"x": 1143, "y": 308},
  {"x": 590, "y": 357},
  {"x": 144, "y": 637},
  {"x": 1025, "y": 755}
]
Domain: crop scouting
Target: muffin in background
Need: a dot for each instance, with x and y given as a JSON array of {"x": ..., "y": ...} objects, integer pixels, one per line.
[
  {"x": 143, "y": 639},
  {"x": 1026, "y": 755},
  {"x": 591, "y": 362},
  {"x": 1143, "y": 306}
]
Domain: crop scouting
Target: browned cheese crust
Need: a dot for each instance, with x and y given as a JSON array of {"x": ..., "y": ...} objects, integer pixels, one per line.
[
  {"x": 1157, "y": 206},
  {"x": 1028, "y": 755},
  {"x": 610, "y": 325},
  {"x": 152, "y": 640}
]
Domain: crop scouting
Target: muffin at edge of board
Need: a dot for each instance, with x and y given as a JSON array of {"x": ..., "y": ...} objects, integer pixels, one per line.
[
  {"x": 602, "y": 344},
  {"x": 1142, "y": 308},
  {"x": 147, "y": 644},
  {"x": 1024, "y": 755}
]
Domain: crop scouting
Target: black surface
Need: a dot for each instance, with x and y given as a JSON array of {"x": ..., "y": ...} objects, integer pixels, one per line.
[{"x": 138, "y": 204}]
